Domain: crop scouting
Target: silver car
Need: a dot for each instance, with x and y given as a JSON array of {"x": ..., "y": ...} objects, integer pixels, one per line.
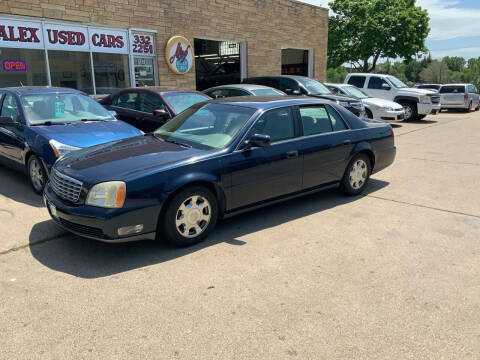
[
  {"x": 375, "y": 108},
  {"x": 224, "y": 91},
  {"x": 459, "y": 96}
]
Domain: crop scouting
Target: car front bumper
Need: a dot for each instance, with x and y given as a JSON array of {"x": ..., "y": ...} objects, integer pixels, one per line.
[
  {"x": 100, "y": 223},
  {"x": 424, "y": 109},
  {"x": 395, "y": 115},
  {"x": 455, "y": 106}
]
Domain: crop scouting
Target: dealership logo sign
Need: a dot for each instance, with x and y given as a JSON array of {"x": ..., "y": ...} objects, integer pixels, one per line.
[{"x": 179, "y": 55}]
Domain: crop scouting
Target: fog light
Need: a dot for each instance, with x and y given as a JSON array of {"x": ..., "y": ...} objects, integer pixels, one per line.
[{"x": 128, "y": 230}]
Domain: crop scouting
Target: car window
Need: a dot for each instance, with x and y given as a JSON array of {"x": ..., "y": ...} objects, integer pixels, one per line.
[
  {"x": 149, "y": 102},
  {"x": 10, "y": 107},
  {"x": 337, "y": 122},
  {"x": 180, "y": 101},
  {"x": 315, "y": 120},
  {"x": 335, "y": 90},
  {"x": 288, "y": 85},
  {"x": 358, "y": 81},
  {"x": 277, "y": 123},
  {"x": 126, "y": 100},
  {"x": 376, "y": 83},
  {"x": 236, "y": 92},
  {"x": 218, "y": 93},
  {"x": 452, "y": 89},
  {"x": 267, "y": 92}
]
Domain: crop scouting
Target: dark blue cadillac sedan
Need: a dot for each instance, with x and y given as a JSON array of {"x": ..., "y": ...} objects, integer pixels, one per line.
[{"x": 215, "y": 159}]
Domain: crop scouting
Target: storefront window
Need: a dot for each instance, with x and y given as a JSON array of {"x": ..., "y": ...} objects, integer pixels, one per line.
[
  {"x": 22, "y": 67},
  {"x": 144, "y": 73},
  {"x": 71, "y": 69},
  {"x": 111, "y": 72}
]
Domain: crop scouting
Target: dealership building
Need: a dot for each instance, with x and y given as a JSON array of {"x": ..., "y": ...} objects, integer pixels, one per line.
[{"x": 99, "y": 46}]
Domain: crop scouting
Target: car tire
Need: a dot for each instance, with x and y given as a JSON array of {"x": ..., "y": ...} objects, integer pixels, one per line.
[
  {"x": 410, "y": 110},
  {"x": 190, "y": 216},
  {"x": 469, "y": 109},
  {"x": 421, "y": 117},
  {"x": 478, "y": 107},
  {"x": 356, "y": 175},
  {"x": 37, "y": 175}
]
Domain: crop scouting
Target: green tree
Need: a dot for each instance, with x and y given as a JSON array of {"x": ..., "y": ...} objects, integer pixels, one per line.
[
  {"x": 363, "y": 31},
  {"x": 436, "y": 72},
  {"x": 455, "y": 63},
  {"x": 336, "y": 75}
]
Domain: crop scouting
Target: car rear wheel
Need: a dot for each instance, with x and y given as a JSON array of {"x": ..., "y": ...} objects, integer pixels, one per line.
[
  {"x": 410, "y": 110},
  {"x": 36, "y": 174},
  {"x": 356, "y": 175},
  {"x": 469, "y": 109},
  {"x": 190, "y": 216}
]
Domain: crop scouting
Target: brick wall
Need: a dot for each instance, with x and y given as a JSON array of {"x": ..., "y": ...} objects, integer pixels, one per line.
[{"x": 265, "y": 25}]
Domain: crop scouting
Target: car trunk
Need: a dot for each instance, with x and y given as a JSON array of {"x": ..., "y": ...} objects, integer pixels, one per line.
[{"x": 453, "y": 95}]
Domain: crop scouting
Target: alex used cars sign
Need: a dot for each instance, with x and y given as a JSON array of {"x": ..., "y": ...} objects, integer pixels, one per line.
[{"x": 40, "y": 35}]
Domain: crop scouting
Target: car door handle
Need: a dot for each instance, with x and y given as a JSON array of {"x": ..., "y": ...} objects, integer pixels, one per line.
[
  {"x": 347, "y": 142},
  {"x": 292, "y": 154}
]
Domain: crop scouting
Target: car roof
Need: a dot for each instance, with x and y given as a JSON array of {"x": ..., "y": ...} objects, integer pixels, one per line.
[
  {"x": 269, "y": 102},
  {"x": 295, "y": 77},
  {"x": 241, "y": 86},
  {"x": 22, "y": 90},
  {"x": 158, "y": 89},
  {"x": 338, "y": 85},
  {"x": 368, "y": 74},
  {"x": 462, "y": 84}
]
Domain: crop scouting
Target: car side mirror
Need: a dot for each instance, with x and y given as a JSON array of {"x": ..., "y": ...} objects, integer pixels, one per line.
[
  {"x": 257, "y": 140},
  {"x": 8, "y": 121},
  {"x": 113, "y": 113},
  {"x": 160, "y": 113},
  {"x": 386, "y": 86}
]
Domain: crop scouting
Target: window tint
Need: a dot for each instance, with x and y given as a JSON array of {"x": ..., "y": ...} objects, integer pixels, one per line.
[
  {"x": 452, "y": 89},
  {"x": 149, "y": 102},
  {"x": 315, "y": 120},
  {"x": 358, "y": 81},
  {"x": 337, "y": 122},
  {"x": 125, "y": 100},
  {"x": 10, "y": 107},
  {"x": 288, "y": 85},
  {"x": 218, "y": 94},
  {"x": 376, "y": 83},
  {"x": 277, "y": 123},
  {"x": 236, "y": 92}
]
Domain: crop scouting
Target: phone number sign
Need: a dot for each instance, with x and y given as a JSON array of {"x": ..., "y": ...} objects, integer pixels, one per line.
[{"x": 142, "y": 44}]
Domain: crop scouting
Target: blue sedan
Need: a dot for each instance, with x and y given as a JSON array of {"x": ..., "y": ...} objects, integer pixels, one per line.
[
  {"x": 38, "y": 125},
  {"x": 216, "y": 159}
]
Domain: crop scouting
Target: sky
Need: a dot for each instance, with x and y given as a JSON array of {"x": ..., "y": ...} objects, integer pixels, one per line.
[{"x": 454, "y": 24}]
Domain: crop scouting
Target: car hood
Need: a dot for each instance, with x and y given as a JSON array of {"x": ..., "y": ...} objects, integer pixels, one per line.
[
  {"x": 333, "y": 97},
  {"x": 381, "y": 102},
  {"x": 84, "y": 134},
  {"x": 125, "y": 159},
  {"x": 414, "y": 91}
]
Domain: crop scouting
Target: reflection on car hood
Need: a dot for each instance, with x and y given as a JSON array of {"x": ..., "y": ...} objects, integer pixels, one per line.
[
  {"x": 84, "y": 134},
  {"x": 124, "y": 159},
  {"x": 381, "y": 102},
  {"x": 415, "y": 91}
]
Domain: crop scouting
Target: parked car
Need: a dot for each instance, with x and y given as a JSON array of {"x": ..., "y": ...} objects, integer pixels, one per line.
[
  {"x": 433, "y": 87},
  {"x": 460, "y": 96},
  {"x": 417, "y": 103},
  {"x": 216, "y": 159},
  {"x": 301, "y": 85},
  {"x": 375, "y": 108},
  {"x": 224, "y": 91},
  {"x": 38, "y": 125},
  {"x": 148, "y": 108}
]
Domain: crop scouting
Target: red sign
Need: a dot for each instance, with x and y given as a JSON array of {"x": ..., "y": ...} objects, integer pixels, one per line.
[
  {"x": 19, "y": 34},
  {"x": 14, "y": 65},
  {"x": 142, "y": 44}
]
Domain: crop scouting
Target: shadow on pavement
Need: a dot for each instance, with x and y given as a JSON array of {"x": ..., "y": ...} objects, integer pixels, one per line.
[
  {"x": 14, "y": 185},
  {"x": 90, "y": 259},
  {"x": 424, "y": 122}
]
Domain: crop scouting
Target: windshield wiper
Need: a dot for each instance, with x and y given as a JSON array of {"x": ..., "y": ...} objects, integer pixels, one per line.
[
  {"x": 84, "y": 120},
  {"x": 178, "y": 143},
  {"x": 48, "y": 123}
]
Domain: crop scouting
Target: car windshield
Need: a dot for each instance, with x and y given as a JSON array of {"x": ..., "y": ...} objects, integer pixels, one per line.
[
  {"x": 180, "y": 101},
  {"x": 62, "y": 108},
  {"x": 266, "y": 92},
  {"x": 211, "y": 126},
  {"x": 314, "y": 87},
  {"x": 355, "y": 92},
  {"x": 397, "y": 83}
]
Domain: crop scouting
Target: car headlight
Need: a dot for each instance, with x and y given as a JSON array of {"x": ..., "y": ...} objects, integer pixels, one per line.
[
  {"x": 108, "y": 194},
  {"x": 425, "y": 100},
  {"x": 61, "y": 149},
  {"x": 384, "y": 108}
]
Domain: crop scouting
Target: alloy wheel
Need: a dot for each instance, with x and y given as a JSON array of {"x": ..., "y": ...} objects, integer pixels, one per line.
[
  {"x": 37, "y": 175},
  {"x": 193, "y": 216}
]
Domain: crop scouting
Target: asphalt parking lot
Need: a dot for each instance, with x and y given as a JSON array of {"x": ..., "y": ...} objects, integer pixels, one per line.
[{"x": 394, "y": 274}]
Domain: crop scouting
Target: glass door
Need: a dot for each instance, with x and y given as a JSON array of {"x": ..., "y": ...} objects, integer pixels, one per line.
[{"x": 144, "y": 71}]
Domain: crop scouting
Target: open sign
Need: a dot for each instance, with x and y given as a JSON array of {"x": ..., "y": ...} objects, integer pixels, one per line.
[{"x": 14, "y": 65}]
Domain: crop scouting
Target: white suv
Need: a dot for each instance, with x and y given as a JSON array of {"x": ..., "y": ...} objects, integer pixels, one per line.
[{"x": 417, "y": 103}]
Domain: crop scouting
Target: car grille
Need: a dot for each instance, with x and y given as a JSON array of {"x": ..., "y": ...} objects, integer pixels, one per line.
[
  {"x": 435, "y": 99},
  {"x": 65, "y": 187},
  {"x": 82, "y": 229}
]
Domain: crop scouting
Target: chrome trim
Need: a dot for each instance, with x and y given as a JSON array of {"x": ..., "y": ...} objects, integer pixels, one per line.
[{"x": 65, "y": 186}]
